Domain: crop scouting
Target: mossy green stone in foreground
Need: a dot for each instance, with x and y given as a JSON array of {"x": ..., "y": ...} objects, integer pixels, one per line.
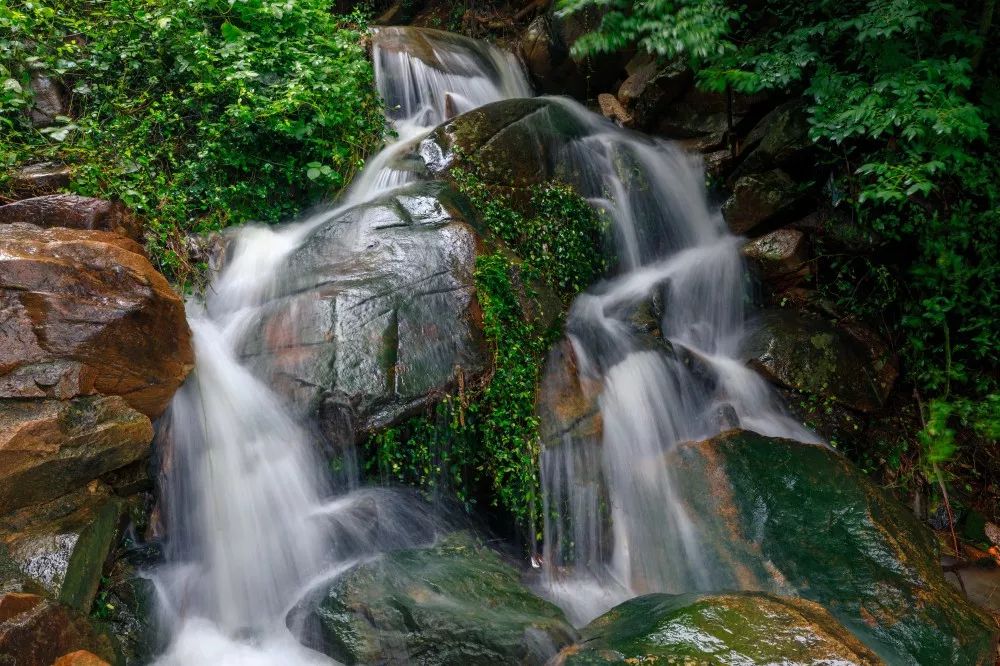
[
  {"x": 457, "y": 603},
  {"x": 738, "y": 629}
]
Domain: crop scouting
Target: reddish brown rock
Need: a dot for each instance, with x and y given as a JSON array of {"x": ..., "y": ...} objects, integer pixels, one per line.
[
  {"x": 41, "y": 635},
  {"x": 50, "y": 447},
  {"x": 80, "y": 658},
  {"x": 84, "y": 312},
  {"x": 73, "y": 212},
  {"x": 612, "y": 109},
  {"x": 779, "y": 256},
  {"x": 760, "y": 198},
  {"x": 15, "y": 603}
]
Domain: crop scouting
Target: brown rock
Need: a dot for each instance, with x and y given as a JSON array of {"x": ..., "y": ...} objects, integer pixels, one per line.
[
  {"x": 84, "y": 312},
  {"x": 74, "y": 212},
  {"x": 49, "y": 447},
  {"x": 758, "y": 198},
  {"x": 46, "y": 632},
  {"x": 15, "y": 603},
  {"x": 49, "y": 101},
  {"x": 41, "y": 178},
  {"x": 650, "y": 87},
  {"x": 612, "y": 109},
  {"x": 80, "y": 658},
  {"x": 780, "y": 255}
]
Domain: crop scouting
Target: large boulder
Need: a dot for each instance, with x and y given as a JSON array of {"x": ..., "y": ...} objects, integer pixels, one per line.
[
  {"x": 779, "y": 257},
  {"x": 455, "y": 603},
  {"x": 650, "y": 87},
  {"x": 750, "y": 629},
  {"x": 759, "y": 198},
  {"x": 377, "y": 315},
  {"x": 780, "y": 139},
  {"x": 846, "y": 363},
  {"x": 50, "y": 447},
  {"x": 63, "y": 544},
  {"x": 799, "y": 519},
  {"x": 42, "y": 631},
  {"x": 84, "y": 312},
  {"x": 70, "y": 210}
]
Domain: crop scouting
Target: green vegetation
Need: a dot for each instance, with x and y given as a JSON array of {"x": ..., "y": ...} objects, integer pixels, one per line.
[
  {"x": 903, "y": 106},
  {"x": 197, "y": 114},
  {"x": 483, "y": 442}
]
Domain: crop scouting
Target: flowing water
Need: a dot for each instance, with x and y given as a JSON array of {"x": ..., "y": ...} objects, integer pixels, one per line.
[{"x": 254, "y": 522}]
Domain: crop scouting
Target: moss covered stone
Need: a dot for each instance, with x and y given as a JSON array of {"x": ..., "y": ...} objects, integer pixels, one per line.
[
  {"x": 744, "y": 629},
  {"x": 457, "y": 603}
]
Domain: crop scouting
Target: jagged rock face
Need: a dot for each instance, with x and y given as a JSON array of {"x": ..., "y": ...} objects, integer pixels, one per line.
[
  {"x": 376, "y": 315},
  {"x": 791, "y": 518},
  {"x": 50, "y": 447},
  {"x": 807, "y": 353},
  {"x": 43, "y": 631},
  {"x": 747, "y": 628},
  {"x": 73, "y": 212},
  {"x": 85, "y": 312},
  {"x": 455, "y": 603}
]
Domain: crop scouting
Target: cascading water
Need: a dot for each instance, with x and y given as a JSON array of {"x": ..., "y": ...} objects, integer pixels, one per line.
[{"x": 249, "y": 517}]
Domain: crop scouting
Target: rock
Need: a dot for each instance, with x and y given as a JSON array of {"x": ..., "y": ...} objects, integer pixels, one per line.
[
  {"x": 64, "y": 544},
  {"x": 567, "y": 406},
  {"x": 73, "y": 212},
  {"x": 80, "y": 658},
  {"x": 836, "y": 230},
  {"x": 779, "y": 257},
  {"x": 759, "y": 198},
  {"x": 46, "y": 632},
  {"x": 15, "y": 603},
  {"x": 50, "y": 447},
  {"x": 455, "y": 603},
  {"x": 85, "y": 312},
  {"x": 798, "y": 519},
  {"x": 809, "y": 354},
  {"x": 612, "y": 109},
  {"x": 650, "y": 88},
  {"x": 537, "y": 49},
  {"x": 49, "y": 101},
  {"x": 40, "y": 178},
  {"x": 747, "y": 628},
  {"x": 780, "y": 139},
  {"x": 128, "y": 607},
  {"x": 379, "y": 315}
]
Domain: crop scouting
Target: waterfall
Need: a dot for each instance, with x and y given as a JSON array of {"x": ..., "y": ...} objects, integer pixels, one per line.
[{"x": 253, "y": 521}]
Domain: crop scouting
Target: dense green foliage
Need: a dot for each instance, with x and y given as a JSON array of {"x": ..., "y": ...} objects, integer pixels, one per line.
[
  {"x": 903, "y": 108},
  {"x": 196, "y": 113},
  {"x": 483, "y": 442}
]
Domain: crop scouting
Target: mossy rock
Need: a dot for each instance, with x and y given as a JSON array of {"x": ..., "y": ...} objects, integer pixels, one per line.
[
  {"x": 748, "y": 629},
  {"x": 456, "y": 603},
  {"x": 799, "y": 519}
]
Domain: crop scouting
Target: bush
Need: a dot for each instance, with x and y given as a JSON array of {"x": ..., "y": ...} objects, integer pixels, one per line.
[{"x": 198, "y": 114}]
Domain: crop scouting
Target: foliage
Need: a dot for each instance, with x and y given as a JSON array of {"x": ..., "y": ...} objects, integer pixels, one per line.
[
  {"x": 197, "y": 114},
  {"x": 484, "y": 441}
]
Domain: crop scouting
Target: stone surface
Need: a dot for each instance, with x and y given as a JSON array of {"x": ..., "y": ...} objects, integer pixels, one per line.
[
  {"x": 41, "y": 178},
  {"x": 455, "y": 603},
  {"x": 807, "y": 353},
  {"x": 50, "y": 447},
  {"x": 612, "y": 109},
  {"x": 749, "y": 629},
  {"x": 63, "y": 545},
  {"x": 797, "y": 519},
  {"x": 758, "y": 198},
  {"x": 650, "y": 87},
  {"x": 73, "y": 212},
  {"x": 80, "y": 658},
  {"x": 48, "y": 631},
  {"x": 84, "y": 312},
  {"x": 780, "y": 139},
  {"x": 780, "y": 256},
  {"x": 377, "y": 316},
  {"x": 48, "y": 100}
]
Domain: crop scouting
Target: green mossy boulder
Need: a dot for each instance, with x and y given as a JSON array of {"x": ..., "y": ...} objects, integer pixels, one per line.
[
  {"x": 456, "y": 603},
  {"x": 799, "y": 519},
  {"x": 745, "y": 629}
]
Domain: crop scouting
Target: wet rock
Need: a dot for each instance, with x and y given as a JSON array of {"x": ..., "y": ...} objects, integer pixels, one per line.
[
  {"x": 379, "y": 314},
  {"x": 838, "y": 231},
  {"x": 612, "y": 109},
  {"x": 73, "y": 212},
  {"x": 41, "y": 178},
  {"x": 537, "y": 49},
  {"x": 567, "y": 405},
  {"x": 796, "y": 519},
  {"x": 849, "y": 365},
  {"x": 46, "y": 632},
  {"x": 455, "y": 603},
  {"x": 780, "y": 139},
  {"x": 15, "y": 603},
  {"x": 780, "y": 256},
  {"x": 746, "y": 628},
  {"x": 48, "y": 101},
  {"x": 127, "y": 606},
  {"x": 85, "y": 312},
  {"x": 650, "y": 87},
  {"x": 63, "y": 545},
  {"x": 50, "y": 447},
  {"x": 80, "y": 658},
  {"x": 760, "y": 198}
]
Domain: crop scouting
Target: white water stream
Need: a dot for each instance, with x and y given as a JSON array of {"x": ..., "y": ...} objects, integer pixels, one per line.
[{"x": 254, "y": 523}]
